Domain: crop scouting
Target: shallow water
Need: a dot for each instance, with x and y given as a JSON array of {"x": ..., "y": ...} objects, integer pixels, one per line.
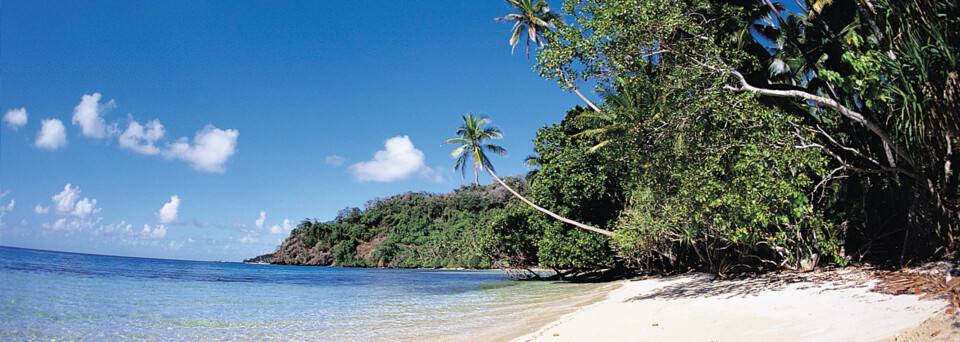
[{"x": 62, "y": 296}]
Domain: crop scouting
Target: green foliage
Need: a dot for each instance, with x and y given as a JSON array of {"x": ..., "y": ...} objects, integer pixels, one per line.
[
  {"x": 510, "y": 235},
  {"x": 570, "y": 248},
  {"x": 896, "y": 63},
  {"x": 578, "y": 184},
  {"x": 727, "y": 181},
  {"x": 416, "y": 230},
  {"x": 708, "y": 175}
]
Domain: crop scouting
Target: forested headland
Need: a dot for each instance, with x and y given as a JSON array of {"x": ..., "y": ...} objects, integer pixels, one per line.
[{"x": 731, "y": 136}]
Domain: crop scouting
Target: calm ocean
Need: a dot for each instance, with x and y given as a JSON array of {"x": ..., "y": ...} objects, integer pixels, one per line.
[{"x": 62, "y": 296}]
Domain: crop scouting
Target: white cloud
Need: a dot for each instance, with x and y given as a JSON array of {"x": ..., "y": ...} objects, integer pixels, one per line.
[
  {"x": 141, "y": 138},
  {"x": 7, "y": 208},
  {"x": 39, "y": 209},
  {"x": 66, "y": 199},
  {"x": 168, "y": 213},
  {"x": 88, "y": 113},
  {"x": 68, "y": 202},
  {"x": 398, "y": 160},
  {"x": 61, "y": 224},
  {"x": 156, "y": 232},
  {"x": 285, "y": 229},
  {"x": 263, "y": 216},
  {"x": 335, "y": 160},
  {"x": 15, "y": 118},
  {"x": 249, "y": 239},
  {"x": 85, "y": 207},
  {"x": 122, "y": 227},
  {"x": 72, "y": 225},
  {"x": 52, "y": 134},
  {"x": 210, "y": 149}
]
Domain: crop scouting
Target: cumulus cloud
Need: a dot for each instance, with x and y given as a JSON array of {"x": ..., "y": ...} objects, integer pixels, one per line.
[
  {"x": 263, "y": 216},
  {"x": 88, "y": 113},
  {"x": 335, "y": 160},
  {"x": 398, "y": 160},
  {"x": 68, "y": 202},
  {"x": 155, "y": 232},
  {"x": 52, "y": 134},
  {"x": 210, "y": 149},
  {"x": 85, "y": 207},
  {"x": 284, "y": 229},
  {"x": 168, "y": 213},
  {"x": 39, "y": 209},
  {"x": 61, "y": 224},
  {"x": 141, "y": 138},
  {"x": 15, "y": 118}
]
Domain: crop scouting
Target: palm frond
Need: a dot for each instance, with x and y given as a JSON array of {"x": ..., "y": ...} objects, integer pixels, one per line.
[
  {"x": 518, "y": 29},
  {"x": 599, "y": 146},
  {"x": 472, "y": 135},
  {"x": 455, "y": 141},
  {"x": 460, "y": 151},
  {"x": 495, "y": 149},
  {"x": 591, "y": 132}
]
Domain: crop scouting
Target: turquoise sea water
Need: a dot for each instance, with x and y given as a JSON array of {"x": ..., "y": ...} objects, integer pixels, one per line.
[{"x": 62, "y": 296}]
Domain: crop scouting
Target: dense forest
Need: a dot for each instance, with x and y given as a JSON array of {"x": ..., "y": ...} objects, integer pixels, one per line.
[
  {"x": 457, "y": 229},
  {"x": 732, "y": 136}
]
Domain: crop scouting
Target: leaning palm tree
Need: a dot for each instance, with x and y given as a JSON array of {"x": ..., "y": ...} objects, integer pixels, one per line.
[
  {"x": 535, "y": 18},
  {"x": 472, "y": 140}
]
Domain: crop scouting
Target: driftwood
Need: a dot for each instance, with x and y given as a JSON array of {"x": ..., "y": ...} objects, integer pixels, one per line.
[
  {"x": 521, "y": 274},
  {"x": 588, "y": 276}
]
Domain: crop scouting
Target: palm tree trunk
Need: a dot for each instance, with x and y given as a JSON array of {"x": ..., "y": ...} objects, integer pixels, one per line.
[
  {"x": 565, "y": 80},
  {"x": 592, "y": 106},
  {"x": 545, "y": 211},
  {"x": 575, "y": 90}
]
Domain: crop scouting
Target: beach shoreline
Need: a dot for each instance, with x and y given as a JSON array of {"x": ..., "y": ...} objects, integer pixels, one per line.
[{"x": 694, "y": 307}]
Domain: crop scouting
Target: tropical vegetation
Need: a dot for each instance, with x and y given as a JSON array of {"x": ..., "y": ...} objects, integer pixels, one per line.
[{"x": 731, "y": 136}]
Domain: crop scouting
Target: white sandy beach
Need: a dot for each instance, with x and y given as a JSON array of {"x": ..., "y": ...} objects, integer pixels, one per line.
[{"x": 693, "y": 308}]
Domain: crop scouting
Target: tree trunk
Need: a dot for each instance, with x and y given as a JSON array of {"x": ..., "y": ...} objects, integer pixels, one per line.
[{"x": 545, "y": 211}]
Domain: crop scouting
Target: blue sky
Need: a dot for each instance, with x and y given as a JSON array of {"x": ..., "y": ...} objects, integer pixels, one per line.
[{"x": 208, "y": 129}]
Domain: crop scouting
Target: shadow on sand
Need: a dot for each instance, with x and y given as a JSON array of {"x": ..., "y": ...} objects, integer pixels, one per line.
[{"x": 704, "y": 285}]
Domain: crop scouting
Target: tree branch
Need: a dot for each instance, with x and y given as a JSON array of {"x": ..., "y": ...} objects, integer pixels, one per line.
[{"x": 805, "y": 96}]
